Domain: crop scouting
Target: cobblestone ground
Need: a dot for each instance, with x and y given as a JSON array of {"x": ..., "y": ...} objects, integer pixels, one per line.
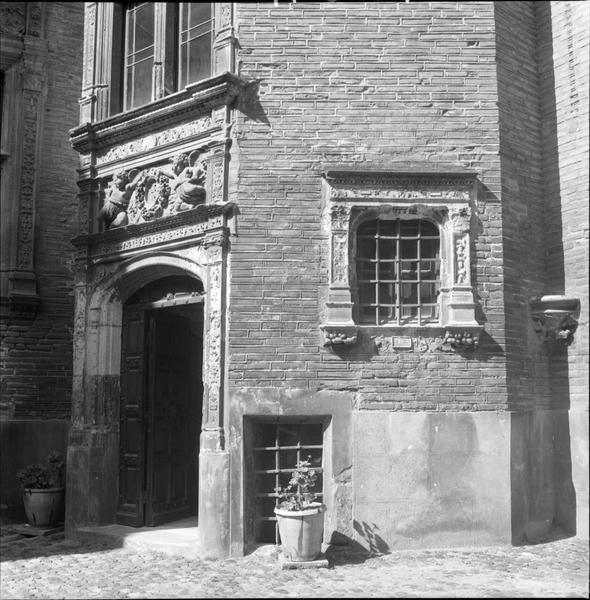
[{"x": 53, "y": 567}]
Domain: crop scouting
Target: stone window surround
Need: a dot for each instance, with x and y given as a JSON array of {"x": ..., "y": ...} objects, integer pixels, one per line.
[{"x": 445, "y": 198}]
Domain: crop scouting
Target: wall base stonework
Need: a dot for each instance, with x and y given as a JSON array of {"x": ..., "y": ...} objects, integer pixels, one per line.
[{"x": 431, "y": 479}]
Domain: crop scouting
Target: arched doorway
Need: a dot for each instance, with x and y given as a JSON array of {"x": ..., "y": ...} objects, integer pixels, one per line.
[{"x": 161, "y": 402}]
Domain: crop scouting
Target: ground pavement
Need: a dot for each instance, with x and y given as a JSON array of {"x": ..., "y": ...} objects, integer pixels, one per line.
[{"x": 53, "y": 567}]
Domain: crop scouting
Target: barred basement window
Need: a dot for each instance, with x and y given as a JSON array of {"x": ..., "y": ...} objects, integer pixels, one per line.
[
  {"x": 278, "y": 446},
  {"x": 398, "y": 271}
]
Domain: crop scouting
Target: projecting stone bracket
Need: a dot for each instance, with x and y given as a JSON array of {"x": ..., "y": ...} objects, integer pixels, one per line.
[
  {"x": 555, "y": 318},
  {"x": 461, "y": 337},
  {"x": 339, "y": 335}
]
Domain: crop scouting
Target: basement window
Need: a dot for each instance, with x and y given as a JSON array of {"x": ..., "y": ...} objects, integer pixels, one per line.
[{"x": 276, "y": 447}]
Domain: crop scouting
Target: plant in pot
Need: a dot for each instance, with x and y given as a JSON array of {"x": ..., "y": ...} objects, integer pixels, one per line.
[
  {"x": 43, "y": 490},
  {"x": 300, "y": 517}
]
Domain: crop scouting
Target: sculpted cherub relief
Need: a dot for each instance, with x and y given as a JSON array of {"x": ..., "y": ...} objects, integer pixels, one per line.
[
  {"x": 118, "y": 193},
  {"x": 138, "y": 196},
  {"x": 188, "y": 185}
]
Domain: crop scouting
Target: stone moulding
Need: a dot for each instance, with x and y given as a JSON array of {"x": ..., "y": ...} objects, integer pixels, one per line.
[
  {"x": 177, "y": 229},
  {"x": 555, "y": 318},
  {"x": 193, "y": 101},
  {"x": 446, "y": 198}
]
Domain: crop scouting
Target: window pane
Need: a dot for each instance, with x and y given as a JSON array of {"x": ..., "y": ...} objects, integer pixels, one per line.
[
  {"x": 428, "y": 229},
  {"x": 387, "y": 271},
  {"x": 368, "y": 228},
  {"x": 386, "y": 249},
  {"x": 196, "y": 29},
  {"x": 366, "y": 270},
  {"x": 386, "y": 293},
  {"x": 409, "y": 248},
  {"x": 410, "y": 293},
  {"x": 367, "y": 315},
  {"x": 367, "y": 294},
  {"x": 366, "y": 247},
  {"x": 139, "y": 54},
  {"x": 409, "y": 269},
  {"x": 386, "y": 314},
  {"x": 409, "y": 228},
  {"x": 388, "y": 228},
  {"x": 427, "y": 293},
  {"x": 429, "y": 248}
]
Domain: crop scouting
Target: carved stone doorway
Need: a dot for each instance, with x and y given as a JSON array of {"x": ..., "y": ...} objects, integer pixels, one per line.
[{"x": 161, "y": 403}]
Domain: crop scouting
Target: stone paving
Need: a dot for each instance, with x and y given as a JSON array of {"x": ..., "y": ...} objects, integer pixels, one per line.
[{"x": 53, "y": 567}]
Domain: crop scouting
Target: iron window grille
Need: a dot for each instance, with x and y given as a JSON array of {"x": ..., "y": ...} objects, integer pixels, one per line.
[
  {"x": 398, "y": 271},
  {"x": 278, "y": 447}
]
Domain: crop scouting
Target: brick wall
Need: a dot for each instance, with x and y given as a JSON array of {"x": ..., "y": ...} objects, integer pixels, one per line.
[
  {"x": 563, "y": 66},
  {"x": 375, "y": 86},
  {"x": 522, "y": 205},
  {"x": 37, "y": 354}
]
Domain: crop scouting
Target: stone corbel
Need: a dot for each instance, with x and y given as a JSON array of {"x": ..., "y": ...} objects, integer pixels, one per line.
[
  {"x": 462, "y": 338},
  {"x": 555, "y": 318},
  {"x": 339, "y": 335}
]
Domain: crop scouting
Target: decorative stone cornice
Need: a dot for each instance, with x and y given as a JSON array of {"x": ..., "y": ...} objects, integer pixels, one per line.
[
  {"x": 193, "y": 101},
  {"x": 407, "y": 177},
  {"x": 555, "y": 318}
]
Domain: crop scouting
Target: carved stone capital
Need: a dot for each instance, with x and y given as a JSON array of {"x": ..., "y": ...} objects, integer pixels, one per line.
[{"x": 555, "y": 318}]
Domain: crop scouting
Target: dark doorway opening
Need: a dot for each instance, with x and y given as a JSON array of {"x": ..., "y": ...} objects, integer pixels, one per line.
[{"x": 161, "y": 403}]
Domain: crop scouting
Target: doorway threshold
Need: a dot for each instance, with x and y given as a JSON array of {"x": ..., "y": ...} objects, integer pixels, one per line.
[{"x": 180, "y": 538}]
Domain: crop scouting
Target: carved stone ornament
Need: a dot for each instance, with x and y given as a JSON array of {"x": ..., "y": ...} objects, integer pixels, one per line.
[
  {"x": 555, "y": 318},
  {"x": 461, "y": 338},
  {"x": 138, "y": 196},
  {"x": 335, "y": 335}
]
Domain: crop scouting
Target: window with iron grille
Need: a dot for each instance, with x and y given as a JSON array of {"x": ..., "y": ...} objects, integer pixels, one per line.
[
  {"x": 398, "y": 271},
  {"x": 276, "y": 449}
]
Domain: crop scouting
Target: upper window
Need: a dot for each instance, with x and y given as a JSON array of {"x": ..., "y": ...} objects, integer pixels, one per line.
[
  {"x": 167, "y": 45},
  {"x": 398, "y": 271}
]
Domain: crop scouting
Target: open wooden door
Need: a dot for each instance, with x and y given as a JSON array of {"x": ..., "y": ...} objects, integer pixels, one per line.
[{"x": 130, "y": 509}]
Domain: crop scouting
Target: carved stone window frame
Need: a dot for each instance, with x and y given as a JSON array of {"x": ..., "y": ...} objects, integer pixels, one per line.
[{"x": 446, "y": 199}]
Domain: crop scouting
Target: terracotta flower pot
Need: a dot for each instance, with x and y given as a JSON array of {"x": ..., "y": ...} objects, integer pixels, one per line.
[
  {"x": 302, "y": 532},
  {"x": 43, "y": 507}
]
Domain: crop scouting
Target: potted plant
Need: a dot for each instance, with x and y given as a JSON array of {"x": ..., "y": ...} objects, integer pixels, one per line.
[
  {"x": 43, "y": 490},
  {"x": 300, "y": 517}
]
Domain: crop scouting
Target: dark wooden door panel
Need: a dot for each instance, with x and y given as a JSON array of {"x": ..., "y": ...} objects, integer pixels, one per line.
[
  {"x": 169, "y": 462},
  {"x": 130, "y": 509}
]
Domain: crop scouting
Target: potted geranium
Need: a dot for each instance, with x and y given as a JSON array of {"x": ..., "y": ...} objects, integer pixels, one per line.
[
  {"x": 43, "y": 490},
  {"x": 300, "y": 517}
]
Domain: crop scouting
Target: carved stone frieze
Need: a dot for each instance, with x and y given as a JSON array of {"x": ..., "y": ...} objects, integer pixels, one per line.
[
  {"x": 465, "y": 338},
  {"x": 155, "y": 140},
  {"x": 136, "y": 196},
  {"x": 34, "y": 25},
  {"x": 176, "y": 228},
  {"x": 340, "y": 217},
  {"x": 425, "y": 195},
  {"x": 12, "y": 18}
]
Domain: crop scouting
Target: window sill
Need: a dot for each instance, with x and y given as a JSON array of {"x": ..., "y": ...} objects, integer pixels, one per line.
[{"x": 196, "y": 99}]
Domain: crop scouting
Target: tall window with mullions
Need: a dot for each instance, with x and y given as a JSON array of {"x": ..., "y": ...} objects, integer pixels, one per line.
[
  {"x": 196, "y": 31},
  {"x": 398, "y": 271},
  {"x": 167, "y": 47}
]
